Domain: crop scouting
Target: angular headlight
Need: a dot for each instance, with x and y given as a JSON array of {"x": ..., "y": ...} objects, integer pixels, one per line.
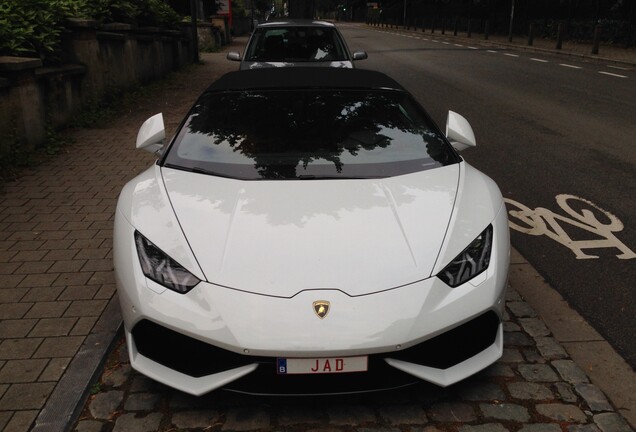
[
  {"x": 162, "y": 269},
  {"x": 471, "y": 262}
]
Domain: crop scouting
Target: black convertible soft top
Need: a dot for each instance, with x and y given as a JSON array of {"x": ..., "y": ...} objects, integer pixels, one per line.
[{"x": 304, "y": 78}]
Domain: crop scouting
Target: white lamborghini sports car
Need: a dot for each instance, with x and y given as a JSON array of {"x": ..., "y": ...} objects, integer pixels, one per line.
[{"x": 310, "y": 230}]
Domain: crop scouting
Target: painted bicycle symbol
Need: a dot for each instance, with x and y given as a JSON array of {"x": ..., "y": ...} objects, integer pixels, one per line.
[{"x": 542, "y": 221}]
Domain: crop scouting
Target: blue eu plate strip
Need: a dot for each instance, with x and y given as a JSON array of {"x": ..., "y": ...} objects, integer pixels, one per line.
[{"x": 281, "y": 366}]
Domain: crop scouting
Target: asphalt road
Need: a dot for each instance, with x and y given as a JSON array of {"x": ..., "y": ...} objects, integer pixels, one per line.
[{"x": 547, "y": 126}]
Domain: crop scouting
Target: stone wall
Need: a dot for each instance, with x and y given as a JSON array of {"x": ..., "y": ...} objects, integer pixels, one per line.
[
  {"x": 21, "y": 105},
  {"x": 97, "y": 60}
]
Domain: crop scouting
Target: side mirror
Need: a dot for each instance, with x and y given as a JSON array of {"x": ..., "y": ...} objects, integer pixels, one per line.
[
  {"x": 234, "y": 56},
  {"x": 151, "y": 134},
  {"x": 360, "y": 55},
  {"x": 459, "y": 132}
]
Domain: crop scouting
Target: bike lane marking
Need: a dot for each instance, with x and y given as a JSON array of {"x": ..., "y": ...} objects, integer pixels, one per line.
[{"x": 544, "y": 222}]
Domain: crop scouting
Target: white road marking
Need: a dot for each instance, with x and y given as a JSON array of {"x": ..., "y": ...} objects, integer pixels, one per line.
[
  {"x": 570, "y": 66},
  {"x": 542, "y": 221},
  {"x": 612, "y": 74},
  {"x": 515, "y": 55}
]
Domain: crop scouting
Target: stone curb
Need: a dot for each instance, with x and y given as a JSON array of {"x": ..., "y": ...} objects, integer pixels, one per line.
[
  {"x": 63, "y": 406},
  {"x": 599, "y": 361}
]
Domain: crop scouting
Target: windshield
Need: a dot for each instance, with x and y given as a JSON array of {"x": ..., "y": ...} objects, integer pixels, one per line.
[
  {"x": 308, "y": 134},
  {"x": 296, "y": 44}
]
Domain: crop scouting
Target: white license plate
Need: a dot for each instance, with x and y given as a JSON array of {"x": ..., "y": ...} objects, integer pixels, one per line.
[{"x": 294, "y": 366}]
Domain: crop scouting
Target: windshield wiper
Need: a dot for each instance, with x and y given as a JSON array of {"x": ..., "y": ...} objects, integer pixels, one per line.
[
  {"x": 332, "y": 177},
  {"x": 197, "y": 170}
]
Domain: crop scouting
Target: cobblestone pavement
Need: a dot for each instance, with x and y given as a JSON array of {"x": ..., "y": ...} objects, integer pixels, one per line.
[
  {"x": 58, "y": 317},
  {"x": 535, "y": 387}
]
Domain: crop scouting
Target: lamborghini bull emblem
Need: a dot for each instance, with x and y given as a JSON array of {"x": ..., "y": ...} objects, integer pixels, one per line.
[{"x": 321, "y": 308}]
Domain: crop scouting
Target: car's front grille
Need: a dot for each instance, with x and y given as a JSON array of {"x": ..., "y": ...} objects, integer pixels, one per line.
[
  {"x": 195, "y": 358},
  {"x": 454, "y": 346},
  {"x": 183, "y": 353}
]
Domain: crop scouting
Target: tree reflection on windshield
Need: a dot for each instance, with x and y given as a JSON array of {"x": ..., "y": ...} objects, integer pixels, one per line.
[{"x": 289, "y": 134}]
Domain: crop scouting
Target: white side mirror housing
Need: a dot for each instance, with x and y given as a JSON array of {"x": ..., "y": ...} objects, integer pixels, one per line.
[
  {"x": 234, "y": 56},
  {"x": 360, "y": 55},
  {"x": 459, "y": 132},
  {"x": 151, "y": 134}
]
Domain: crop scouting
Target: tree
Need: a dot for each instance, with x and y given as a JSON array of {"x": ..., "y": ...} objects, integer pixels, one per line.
[{"x": 302, "y": 9}]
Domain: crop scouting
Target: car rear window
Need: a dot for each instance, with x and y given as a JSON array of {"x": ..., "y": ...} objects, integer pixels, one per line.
[
  {"x": 296, "y": 44},
  {"x": 309, "y": 134}
]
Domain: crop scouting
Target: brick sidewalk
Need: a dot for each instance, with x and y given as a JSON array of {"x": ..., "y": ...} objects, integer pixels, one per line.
[{"x": 56, "y": 220}]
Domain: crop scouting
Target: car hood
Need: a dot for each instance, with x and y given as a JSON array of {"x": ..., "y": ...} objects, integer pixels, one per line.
[{"x": 283, "y": 237}]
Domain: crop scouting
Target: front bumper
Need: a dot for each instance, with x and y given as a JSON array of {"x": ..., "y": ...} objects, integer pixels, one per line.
[
  {"x": 229, "y": 334},
  {"x": 440, "y": 360}
]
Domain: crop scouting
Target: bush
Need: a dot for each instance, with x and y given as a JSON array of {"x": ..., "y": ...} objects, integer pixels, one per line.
[
  {"x": 33, "y": 28},
  {"x": 157, "y": 13},
  {"x": 108, "y": 11},
  {"x": 238, "y": 11}
]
